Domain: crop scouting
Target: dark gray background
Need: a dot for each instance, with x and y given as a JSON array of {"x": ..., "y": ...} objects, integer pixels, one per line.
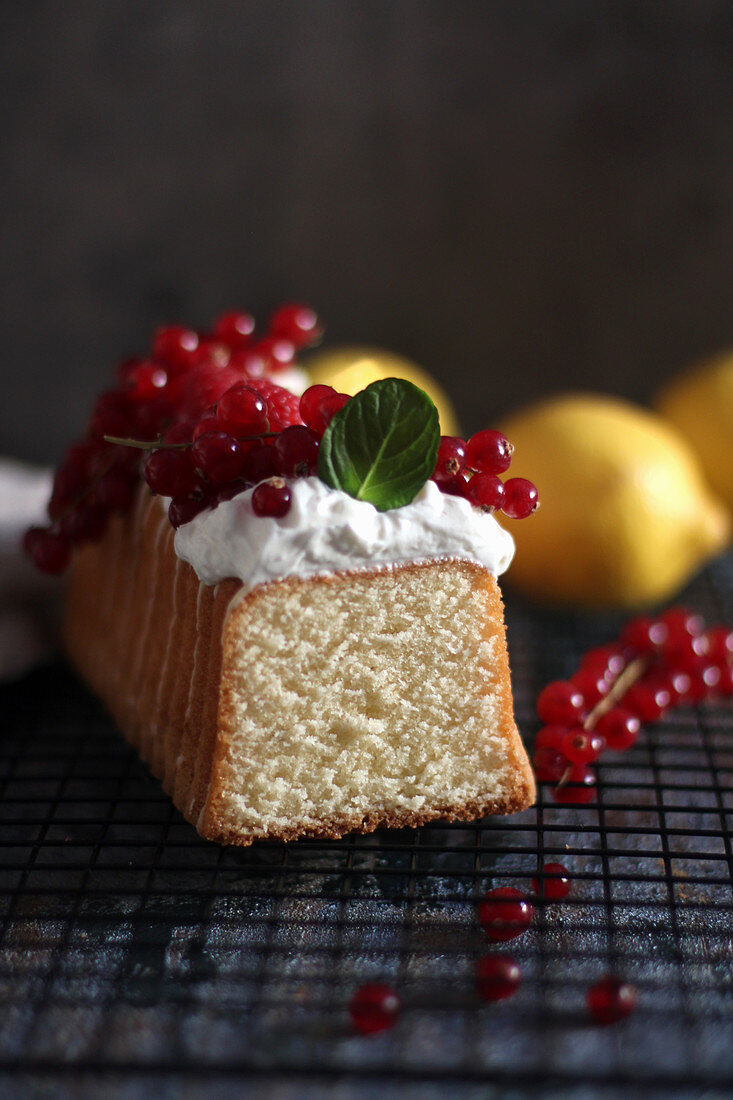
[{"x": 521, "y": 196}]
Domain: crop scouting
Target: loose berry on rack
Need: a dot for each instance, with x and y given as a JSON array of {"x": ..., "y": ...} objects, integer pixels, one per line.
[
  {"x": 520, "y": 498},
  {"x": 297, "y": 323},
  {"x": 553, "y": 884},
  {"x": 234, "y": 328},
  {"x": 271, "y": 498},
  {"x": 611, "y": 1000},
  {"x": 560, "y": 703},
  {"x": 577, "y": 785},
  {"x": 497, "y": 977},
  {"x": 549, "y": 765},
  {"x": 485, "y": 492},
  {"x": 170, "y": 473},
  {"x": 581, "y": 746},
  {"x": 704, "y": 682},
  {"x": 619, "y": 728},
  {"x": 505, "y": 913},
  {"x": 242, "y": 410},
  {"x": 374, "y": 1007},
  {"x": 451, "y": 458},
  {"x": 176, "y": 347},
  {"x": 488, "y": 452},
  {"x": 49, "y": 550},
  {"x": 219, "y": 455},
  {"x": 296, "y": 451}
]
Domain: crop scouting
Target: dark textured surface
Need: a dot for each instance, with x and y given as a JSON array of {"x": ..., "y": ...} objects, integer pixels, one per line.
[
  {"x": 137, "y": 960},
  {"x": 521, "y": 196}
]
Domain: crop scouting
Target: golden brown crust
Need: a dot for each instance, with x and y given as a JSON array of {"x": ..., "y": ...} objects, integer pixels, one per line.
[{"x": 154, "y": 644}]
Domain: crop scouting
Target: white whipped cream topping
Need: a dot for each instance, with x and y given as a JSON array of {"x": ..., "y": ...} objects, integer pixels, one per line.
[{"x": 327, "y": 531}]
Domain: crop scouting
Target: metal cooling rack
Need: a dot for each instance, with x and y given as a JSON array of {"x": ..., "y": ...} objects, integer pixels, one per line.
[{"x": 138, "y": 960}]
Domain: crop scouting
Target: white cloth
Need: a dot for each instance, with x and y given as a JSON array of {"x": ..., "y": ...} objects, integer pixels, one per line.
[{"x": 29, "y": 601}]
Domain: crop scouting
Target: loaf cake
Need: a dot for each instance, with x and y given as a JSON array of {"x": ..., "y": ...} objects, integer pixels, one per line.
[{"x": 308, "y": 638}]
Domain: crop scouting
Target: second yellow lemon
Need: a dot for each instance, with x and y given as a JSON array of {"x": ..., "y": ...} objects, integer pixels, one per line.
[
  {"x": 626, "y": 516},
  {"x": 350, "y": 370}
]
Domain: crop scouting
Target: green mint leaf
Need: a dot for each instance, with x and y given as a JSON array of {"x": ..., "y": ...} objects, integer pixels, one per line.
[{"x": 382, "y": 445}]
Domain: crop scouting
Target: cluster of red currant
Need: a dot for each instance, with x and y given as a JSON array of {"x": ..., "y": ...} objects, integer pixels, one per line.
[
  {"x": 654, "y": 665},
  {"x": 171, "y": 402},
  {"x": 471, "y": 469},
  {"x": 504, "y": 913}
]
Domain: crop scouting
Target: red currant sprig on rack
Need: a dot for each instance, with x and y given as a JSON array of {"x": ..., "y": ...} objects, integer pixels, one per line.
[
  {"x": 655, "y": 664},
  {"x": 471, "y": 469},
  {"x": 192, "y": 388}
]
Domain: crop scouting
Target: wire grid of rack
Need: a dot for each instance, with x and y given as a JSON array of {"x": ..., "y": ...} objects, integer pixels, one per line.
[{"x": 137, "y": 959}]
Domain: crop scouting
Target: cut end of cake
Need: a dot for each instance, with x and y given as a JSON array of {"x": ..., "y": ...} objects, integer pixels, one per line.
[{"x": 361, "y": 700}]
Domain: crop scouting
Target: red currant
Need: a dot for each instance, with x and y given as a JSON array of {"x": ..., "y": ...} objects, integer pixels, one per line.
[
  {"x": 208, "y": 423},
  {"x": 296, "y": 323},
  {"x": 271, "y": 498},
  {"x": 203, "y": 386},
  {"x": 242, "y": 410},
  {"x": 454, "y": 486},
  {"x": 591, "y": 685},
  {"x": 687, "y": 652},
  {"x": 258, "y": 464},
  {"x": 550, "y": 737},
  {"x": 520, "y": 498},
  {"x": 170, "y": 473},
  {"x": 578, "y": 785},
  {"x": 643, "y": 637},
  {"x": 49, "y": 550},
  {"x": 146, "y": 380},
  {"x": 85, "y": 523},
  {"x": 720, "y": 644},
  {"x": 184, "y": 509},
  {"x": 549, "y": 765},
  {"x": 610, "y": 1000},
  {"x": 497, "y": 977},
  {"x": 725, "y": 684},
  {"x": 488, "y": 452},
  {"x": 619, "y": 728},
  {"x": 681, "y": 622},
  {"x": 373, "y": 1008},
  {"x": 486, "y": 492},
  {"x": 176, "y": 346},
  {"x": 606, "y": 661},
  {"x": 582, "y": 746},
  {"x": 329, "y": 407},
  {"x": 505, "y": 913},
  {"x": 277, "y": 352},
  {"x": 296, "y": 451},
  {"x": 451, "y": 458},
  {"x": 234, "y": 328},
  {"x": 704, "y": 682},
  {"x": 218, "y": 455},
  {"x": 554, "y": 882},
  {"x": 560, "y": 703},
  {"x": 115, "y": 491},
  {"x": 648, "y": 699},
  {"x": 310, "y": 404}
]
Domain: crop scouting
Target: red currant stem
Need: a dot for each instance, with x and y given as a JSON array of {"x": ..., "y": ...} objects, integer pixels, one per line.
[
  {"x": 633, "y": 671},
  {"x": 159, "y": 445}
]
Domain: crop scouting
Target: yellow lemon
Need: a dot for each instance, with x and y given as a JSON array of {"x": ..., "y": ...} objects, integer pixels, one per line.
[
  {"x": 350, "y": 370},
  {"x": 625, "y": 514},
  {"x": 700, "y": 403}
]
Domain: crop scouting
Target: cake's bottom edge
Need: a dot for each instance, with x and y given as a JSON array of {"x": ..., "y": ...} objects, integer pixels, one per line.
[{"x": 521, "y": 798}]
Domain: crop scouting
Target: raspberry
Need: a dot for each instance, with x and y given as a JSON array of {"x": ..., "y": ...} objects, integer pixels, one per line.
[
  {"x": 202, "y": 386},
  {"x": 283, "y": 407}
]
